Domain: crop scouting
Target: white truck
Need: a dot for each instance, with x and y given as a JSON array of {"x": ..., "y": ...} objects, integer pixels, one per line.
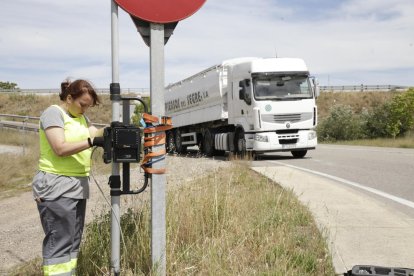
[{"x": 253, "y": 105}]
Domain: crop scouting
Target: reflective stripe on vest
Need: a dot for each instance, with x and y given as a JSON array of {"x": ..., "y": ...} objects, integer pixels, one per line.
[{"x": 76, "y": 129}]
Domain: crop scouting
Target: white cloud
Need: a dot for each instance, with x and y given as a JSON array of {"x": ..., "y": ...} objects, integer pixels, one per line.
[{"x": 347, "y": 42}]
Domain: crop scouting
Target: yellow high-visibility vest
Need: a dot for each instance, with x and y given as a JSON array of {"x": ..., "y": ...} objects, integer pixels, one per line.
[{"x": 79, "y": 164}]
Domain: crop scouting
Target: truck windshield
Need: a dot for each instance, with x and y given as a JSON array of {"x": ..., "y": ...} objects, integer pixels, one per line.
[{"x": 277, "y": 87}]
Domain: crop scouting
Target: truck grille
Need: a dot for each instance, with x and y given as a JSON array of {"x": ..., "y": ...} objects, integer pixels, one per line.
[{"x": 283, "y": 118}]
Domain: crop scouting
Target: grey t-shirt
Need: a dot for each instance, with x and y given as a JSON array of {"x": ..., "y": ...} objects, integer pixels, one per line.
[
  {"x": 51, "y": 186},
  {"x": 53, "y": 116}
]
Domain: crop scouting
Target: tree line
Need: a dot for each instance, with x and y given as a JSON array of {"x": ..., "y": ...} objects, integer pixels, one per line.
[{"x": 8, "y": 85}]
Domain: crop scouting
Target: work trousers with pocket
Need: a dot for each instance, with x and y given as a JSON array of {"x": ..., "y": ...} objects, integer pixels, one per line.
[{"x": 62, "y": 220}]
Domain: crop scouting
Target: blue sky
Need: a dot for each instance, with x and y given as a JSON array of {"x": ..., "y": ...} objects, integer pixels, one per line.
[{"x": 344, "y": 42}]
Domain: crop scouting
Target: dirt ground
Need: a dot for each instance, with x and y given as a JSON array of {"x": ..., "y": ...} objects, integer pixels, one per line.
[{"x": 20, "y": 229}]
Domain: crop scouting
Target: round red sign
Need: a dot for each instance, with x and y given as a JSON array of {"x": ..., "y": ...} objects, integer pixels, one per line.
[{"x": 160, "y": 11}]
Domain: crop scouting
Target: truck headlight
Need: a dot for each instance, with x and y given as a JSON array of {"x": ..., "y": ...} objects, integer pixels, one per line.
[
  {"x": 311, "y": 135},
  {"x": 261, "y": 138}
]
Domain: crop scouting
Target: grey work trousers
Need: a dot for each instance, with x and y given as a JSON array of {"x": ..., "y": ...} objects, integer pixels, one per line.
[{"x": 63, "y": 221}]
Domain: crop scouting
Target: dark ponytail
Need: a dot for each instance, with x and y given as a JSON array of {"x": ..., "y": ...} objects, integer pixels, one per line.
[{"x": 64, "y": 90}]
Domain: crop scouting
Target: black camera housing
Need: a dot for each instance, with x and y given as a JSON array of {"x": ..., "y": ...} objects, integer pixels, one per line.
[{"x": 122, "y": 143}]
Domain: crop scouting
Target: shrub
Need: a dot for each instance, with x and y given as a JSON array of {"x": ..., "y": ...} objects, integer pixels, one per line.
[
  {"x": 392, "y": 119},
  {"x": 341, "y": 124}
]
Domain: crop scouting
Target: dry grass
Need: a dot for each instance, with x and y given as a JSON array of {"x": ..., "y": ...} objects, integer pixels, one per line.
[
  {"x": 357, "y": 100},
  {"x": 403, "y": 142},
  {"x": 18, "y": 168},
  {"x": 231, "y": 222},
  {"x": 33, "y": 105},
  {"x": 237, "y": 222}
]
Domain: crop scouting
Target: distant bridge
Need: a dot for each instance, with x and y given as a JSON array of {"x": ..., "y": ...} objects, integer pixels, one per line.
[{"x": 363, "y": 88}]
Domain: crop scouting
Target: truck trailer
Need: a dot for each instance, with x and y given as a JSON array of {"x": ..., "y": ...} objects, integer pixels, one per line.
[{"x": 245, "y": 105}]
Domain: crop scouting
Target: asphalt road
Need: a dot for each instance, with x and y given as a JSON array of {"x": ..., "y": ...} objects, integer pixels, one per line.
[{"x": 384, "y": 173}]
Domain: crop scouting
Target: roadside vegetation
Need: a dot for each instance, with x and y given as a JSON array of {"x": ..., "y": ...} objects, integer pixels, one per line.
[
  {"x": 19, "y": 167},
  {"x": 231, "y": 222},
  {"x": 384, "y": 119},
  {"x": 385, "y": 122},
  {"x": 228, "y": 223}
]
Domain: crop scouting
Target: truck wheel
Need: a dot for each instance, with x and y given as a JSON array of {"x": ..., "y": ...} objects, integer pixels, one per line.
[
  {"x": 169, "y": 142},
  {"x": 254, "y": 156},
  {"x": 299, "y": 153},
  {"x": 208, "y": 142},
  {"x": 179, "y": 147},
  {"x": 240, "y": 144}
]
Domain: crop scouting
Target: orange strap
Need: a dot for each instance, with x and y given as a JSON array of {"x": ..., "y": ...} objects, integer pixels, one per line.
[
  {"x": 157, "y": 129},
  {"x": 148, "y": 118},
  {"x": 154, "y": 140},
  {"x": 163, "y": 124}
]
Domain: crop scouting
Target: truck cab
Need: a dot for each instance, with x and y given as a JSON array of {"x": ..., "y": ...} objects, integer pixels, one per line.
[{"x": 274, "y": 106}]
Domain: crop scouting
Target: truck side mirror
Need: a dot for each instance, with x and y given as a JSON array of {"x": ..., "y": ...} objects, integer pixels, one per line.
[
  {"x": 315, "y": 84},
  {"x": 242, "y": 89},
  {"x": 244, "y": 92},
  {"x": 317, "y": 91}
]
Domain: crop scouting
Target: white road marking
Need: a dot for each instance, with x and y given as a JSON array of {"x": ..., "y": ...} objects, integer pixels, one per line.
[{"x": 354, "y": 184}]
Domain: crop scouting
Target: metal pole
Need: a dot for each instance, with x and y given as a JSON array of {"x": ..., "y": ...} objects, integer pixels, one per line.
[
  {"x": 158, "y": 223},
  {"x": 115, "y": 200}
]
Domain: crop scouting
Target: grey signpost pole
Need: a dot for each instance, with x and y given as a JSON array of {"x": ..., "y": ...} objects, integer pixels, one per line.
[
  {"x": 115, "y": 200},
  {"x": 145, "y": 17},
  {"x": 158, "y": 220}
]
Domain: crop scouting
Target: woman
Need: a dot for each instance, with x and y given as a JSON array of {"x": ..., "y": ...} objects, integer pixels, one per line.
[{"x": 60, "y": 187}]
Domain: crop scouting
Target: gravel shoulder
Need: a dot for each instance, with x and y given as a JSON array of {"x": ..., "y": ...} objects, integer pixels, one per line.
[{"x": 20, "y": 229}]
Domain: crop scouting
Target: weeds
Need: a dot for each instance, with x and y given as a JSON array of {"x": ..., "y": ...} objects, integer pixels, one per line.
[
  {"x": 18, "y": 168},
  {"x": 229, "y": 223},
  {"x": 32, "y": 268}
]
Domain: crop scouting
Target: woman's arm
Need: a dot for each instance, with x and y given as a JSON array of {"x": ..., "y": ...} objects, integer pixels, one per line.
[{"x": 56, "y": 139}]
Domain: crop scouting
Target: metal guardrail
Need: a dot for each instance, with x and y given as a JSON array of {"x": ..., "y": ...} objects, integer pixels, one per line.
[
  {"x": 23, "y": 117},
  {"x": 19, "y": 125},
  {"x": 362, "y": 88},
  {"x": 23, "y": 123},
  {"x": 47, "y": 91}
]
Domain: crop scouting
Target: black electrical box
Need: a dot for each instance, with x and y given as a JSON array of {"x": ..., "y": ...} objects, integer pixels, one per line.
[{"x": 122, "y": 143}]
